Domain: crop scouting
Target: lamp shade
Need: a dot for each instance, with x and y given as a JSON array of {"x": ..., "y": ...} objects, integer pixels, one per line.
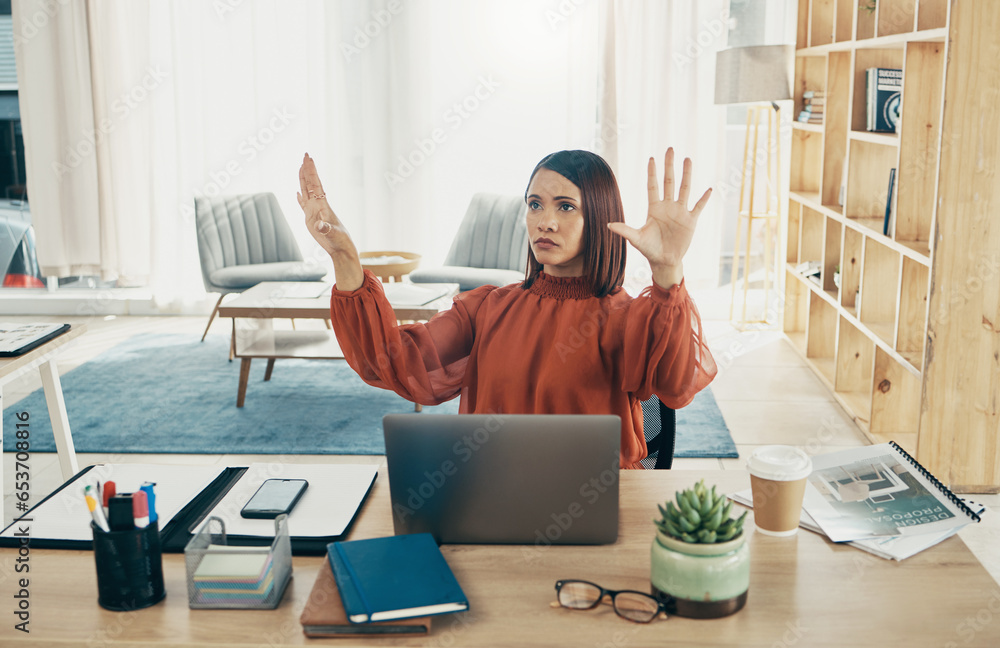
[{"x": 753, "y": 74}]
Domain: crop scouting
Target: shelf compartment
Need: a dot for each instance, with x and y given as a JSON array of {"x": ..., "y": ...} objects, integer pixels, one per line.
[
  {"x": 821, "y": 22},
  {"x": 864, "y": 59},
  {"x": 802, "y": 30},
  {"x": 796, "y": 311},
  {"x": 919, "y": 145},
  {"x": 896, "y": 16},
  {"x": 912, "y": 321},
  {"x": 810, "y": 74},
  {"x": 880, "y": 277},
  {"x": 855, "y": 356},
  {"x": 806, "y": 155},
  {"x": 821, "y": 334},
  {"x": 831, "y": 255},
  {"x": 811, "y": 238},
  {"x": 850, "y": 269},
  {"x": 932, "y": 14},
  {"x": 844, "y": 30},
  {"x": 794, "y": 227},
  {"x": 868, "y": 182},
  {"x": 866, "y": 20},
  {"x": 895, "y": 406},
  {"x": 838, "y": 79}
]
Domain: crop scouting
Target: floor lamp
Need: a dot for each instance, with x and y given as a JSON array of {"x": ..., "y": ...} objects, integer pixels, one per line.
[{"x": 759, "y": 76}]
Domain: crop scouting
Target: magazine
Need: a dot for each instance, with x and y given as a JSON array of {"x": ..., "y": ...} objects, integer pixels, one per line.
[{"x": 880, "y": 490}]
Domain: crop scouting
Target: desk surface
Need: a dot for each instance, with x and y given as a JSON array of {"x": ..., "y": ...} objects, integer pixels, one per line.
[{"x": 804, "y": 591}]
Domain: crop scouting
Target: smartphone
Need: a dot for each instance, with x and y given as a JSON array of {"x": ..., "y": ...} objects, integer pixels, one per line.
[{"x": 274, "y": 497}]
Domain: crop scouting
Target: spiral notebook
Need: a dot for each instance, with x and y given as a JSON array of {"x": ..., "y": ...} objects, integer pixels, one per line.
[{"x": 880, "y": 491}]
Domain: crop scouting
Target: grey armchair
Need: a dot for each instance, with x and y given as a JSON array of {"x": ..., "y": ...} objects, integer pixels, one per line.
[
  {"x": 491, "y": 246},
  {"x": 244, "y": 240}
]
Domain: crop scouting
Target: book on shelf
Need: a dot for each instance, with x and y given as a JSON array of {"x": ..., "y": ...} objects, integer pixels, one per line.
[
  {"x": 807, "y": 117},
  {"x": 324, "y": 616},
  {"x": 883, "y": 94},
  {"x": 888, "y": 202},
  {"x": 879, "y": 499},
  {"x": 394, "y": 577},
  {"x": 18, "y": 339}
]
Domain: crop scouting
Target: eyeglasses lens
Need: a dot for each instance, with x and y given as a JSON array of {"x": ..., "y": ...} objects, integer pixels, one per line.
[
  {"x": 636, "y": 607},
  {"x": 579, "y": 595}
]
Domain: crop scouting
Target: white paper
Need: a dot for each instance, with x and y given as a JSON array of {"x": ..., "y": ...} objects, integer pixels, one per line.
[
  {"x": 326, "y": 508},
  {"x": 64, "y": 516}
]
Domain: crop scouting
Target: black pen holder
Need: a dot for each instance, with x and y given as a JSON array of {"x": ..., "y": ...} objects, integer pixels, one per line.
[{"x": 129, "y": 567}]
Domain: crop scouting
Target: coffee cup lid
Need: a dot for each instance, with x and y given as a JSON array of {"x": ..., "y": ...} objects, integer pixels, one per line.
[{"x": 779, "y": 463}]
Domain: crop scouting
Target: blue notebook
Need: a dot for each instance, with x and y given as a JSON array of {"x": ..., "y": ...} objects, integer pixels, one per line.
[{"x": 396, "y": 577}]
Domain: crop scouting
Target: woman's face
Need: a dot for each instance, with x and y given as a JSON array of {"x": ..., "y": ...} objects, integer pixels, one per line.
[{"x": 555, "y": 224}]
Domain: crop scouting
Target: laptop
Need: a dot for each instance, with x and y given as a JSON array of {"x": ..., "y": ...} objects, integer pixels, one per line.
[{"x": 536, "y": 479}]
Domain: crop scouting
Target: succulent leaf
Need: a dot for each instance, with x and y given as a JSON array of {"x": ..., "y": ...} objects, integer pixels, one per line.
[{"x": 700, "y": 515}]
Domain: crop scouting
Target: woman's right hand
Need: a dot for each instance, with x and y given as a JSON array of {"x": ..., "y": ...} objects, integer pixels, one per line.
[{"x": 326, "y": 228}]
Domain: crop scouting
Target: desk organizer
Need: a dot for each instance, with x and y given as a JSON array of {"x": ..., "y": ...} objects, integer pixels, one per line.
[
  {"x": 129, "y": 567},
  {"x": 220, "y": 575}
]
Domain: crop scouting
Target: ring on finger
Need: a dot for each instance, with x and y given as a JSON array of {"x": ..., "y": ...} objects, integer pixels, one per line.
[{"x": 318, "y": 196}]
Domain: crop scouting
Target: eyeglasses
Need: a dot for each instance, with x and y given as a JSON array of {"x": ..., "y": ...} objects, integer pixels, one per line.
[{"x": 628, "y": 604}]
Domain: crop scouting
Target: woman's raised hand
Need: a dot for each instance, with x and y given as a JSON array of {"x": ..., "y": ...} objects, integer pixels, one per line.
[
  {"x": 669, "y": 228},
  {"x": 326, "y": 228}
]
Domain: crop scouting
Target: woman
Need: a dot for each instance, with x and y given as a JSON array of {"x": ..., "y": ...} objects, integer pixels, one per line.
[{"x": 566, "y": 340}]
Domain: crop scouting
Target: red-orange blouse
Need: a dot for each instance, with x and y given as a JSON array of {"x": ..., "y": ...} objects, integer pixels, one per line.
[{"x": 554, "y": 348}]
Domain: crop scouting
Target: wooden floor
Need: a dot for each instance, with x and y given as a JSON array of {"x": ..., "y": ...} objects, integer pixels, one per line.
[{"x": 766, "y": 394}]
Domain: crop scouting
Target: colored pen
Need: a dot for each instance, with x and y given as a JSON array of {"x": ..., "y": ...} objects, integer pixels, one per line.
[
  {"x": 107, "y": 492},
  {"x": 96, "y": 511},
  {"x": 120, "y": 512},
  {"x": 140, "y": 509},
  {"x": 147, "y": 487}
]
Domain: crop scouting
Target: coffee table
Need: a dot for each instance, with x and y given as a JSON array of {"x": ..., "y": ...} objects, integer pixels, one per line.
[{"x": 255, "y": 309}]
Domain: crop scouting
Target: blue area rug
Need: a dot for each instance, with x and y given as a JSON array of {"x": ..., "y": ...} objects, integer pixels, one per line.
[{"x": 157, "y": 393}]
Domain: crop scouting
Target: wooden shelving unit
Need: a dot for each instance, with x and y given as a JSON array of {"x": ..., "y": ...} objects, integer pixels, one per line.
[{"x": 907, "y": 342}]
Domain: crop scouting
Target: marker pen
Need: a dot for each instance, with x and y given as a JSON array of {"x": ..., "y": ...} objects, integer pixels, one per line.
[
  {"x": 96, "y": 511},
  {"x": 147, "y": 487},
  {"x": 120, "y": 512},
  {"x": 107, "y": 492},
  {"x": 140, "y": 509}
]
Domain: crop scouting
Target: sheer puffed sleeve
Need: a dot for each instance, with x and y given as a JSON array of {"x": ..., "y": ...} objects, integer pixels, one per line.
[
  {"x": 424, "y": 363},
  {"x": 664, "y": 348}
]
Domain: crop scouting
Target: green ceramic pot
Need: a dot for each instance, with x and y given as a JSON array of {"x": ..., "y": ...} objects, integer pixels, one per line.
[{"x": 700, "y": 580}]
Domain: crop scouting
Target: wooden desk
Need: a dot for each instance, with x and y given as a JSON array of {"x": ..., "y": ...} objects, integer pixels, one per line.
[
  {"x": 43, "y": 358},
  {"x": 804, "y": 591},
  {"x": 255, "y": 337}
]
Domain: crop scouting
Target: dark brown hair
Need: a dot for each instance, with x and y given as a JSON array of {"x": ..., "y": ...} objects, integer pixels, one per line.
[{"x": 603, "y": 250}]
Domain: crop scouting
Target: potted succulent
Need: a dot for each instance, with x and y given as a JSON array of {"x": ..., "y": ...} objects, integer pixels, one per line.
[{"x": 700, "y": 563}]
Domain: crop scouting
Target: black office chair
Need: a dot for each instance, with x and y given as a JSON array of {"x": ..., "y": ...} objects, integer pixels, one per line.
[{"x": 659, "y": 423}]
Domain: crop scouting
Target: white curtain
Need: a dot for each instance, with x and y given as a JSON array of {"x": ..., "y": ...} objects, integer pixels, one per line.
[
  {"x": 408, "y": 107},
  {"x": 658, "y": 72}
]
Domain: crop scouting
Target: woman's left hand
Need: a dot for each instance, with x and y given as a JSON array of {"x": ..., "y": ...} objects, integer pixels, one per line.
[{"x": 669, "y": 228}]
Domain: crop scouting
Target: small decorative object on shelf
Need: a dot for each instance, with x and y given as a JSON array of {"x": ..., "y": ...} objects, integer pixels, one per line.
[{"x": 700, "y": 563}]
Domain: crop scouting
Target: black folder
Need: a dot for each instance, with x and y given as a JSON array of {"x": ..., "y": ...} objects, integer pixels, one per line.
[{"x": 175, "y": 535}]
